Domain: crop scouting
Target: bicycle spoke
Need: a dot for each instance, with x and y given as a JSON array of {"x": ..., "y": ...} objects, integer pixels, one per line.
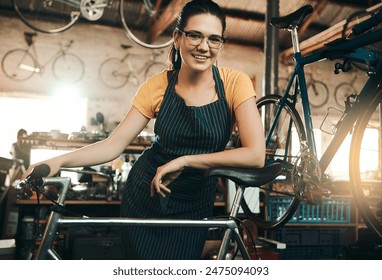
[
  {"x": 48, "y": 16},
  {"x": 114, "y": 73},
  {"x": 68, "y": 68},
  {"x": 284, "y": 144}
]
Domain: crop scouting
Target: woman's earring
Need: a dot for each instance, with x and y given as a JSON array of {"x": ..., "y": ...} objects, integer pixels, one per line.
[{"x": 176, "y": 55}]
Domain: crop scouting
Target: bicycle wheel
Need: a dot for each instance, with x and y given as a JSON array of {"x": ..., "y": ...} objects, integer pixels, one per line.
[
  {"x": 282, "y": 84},
  {"x": 48, "y": 16},
  {"x": 365, "y": 167},
  {"x": 155, "y": 68},
  {"x": 143, "y": 24},
  {"x": 341, "y": 93},
  {"x": 68, "y": 67},
  {"x": 277, "y": 200},
  {"x": 114, "y": 73},
  {"x": 19, "y": 65},
  {"x": 318, "y": 94}
]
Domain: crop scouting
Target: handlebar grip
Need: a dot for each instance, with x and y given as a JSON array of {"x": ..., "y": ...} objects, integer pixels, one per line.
[
  {"x": 367, "y": 24},
  {"x": 40, "y": 171}
]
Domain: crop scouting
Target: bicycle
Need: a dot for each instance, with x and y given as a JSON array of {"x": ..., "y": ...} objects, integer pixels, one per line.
[
  {"x": 318, "y": 89},
  {"x": 22, "y": 64},
  {"x": 343, "y": 90},
  {"x": 117, "y": 72},
  {"x": 138, "y": 18},
  {"x": 244, "y": 177},
  {"x": 290, "y": 138}
]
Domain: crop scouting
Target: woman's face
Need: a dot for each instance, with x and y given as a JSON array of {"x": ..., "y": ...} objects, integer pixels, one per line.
[{"x": 199, "y": 57}]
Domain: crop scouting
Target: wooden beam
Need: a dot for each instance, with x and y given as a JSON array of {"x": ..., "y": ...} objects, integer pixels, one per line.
[
  {"x": 164, "y": 20},
  {"x": 319, "y": 40}
]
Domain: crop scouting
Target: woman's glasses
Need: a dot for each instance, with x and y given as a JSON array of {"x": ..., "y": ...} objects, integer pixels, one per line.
[{"x": 195, "y": 38}]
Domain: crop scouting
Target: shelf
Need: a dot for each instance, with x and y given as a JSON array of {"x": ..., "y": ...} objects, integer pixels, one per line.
[
  {"x": 67, "y": 144},
  {"x": 83, "y": 202},
  {"x": 322, "y": 224},
  {"x": 69, "y": 202}
]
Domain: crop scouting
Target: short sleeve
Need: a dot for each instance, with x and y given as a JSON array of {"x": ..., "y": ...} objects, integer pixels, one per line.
[
  {"x": 238, "y": 87},
  {"x": 149, "y": 95}
]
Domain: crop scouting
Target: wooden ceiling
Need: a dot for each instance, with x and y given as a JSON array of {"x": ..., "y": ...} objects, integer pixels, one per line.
[{"x": 246, "y": 19}]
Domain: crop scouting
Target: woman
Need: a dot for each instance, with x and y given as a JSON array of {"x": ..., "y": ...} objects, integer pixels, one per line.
[
  {"x": 20, "y": 150},
  {"x": 196, "y": 106}
]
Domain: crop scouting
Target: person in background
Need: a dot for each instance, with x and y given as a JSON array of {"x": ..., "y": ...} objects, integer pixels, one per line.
[
  {"x": 20, "y": 150},
  {"x": 196, "y": 106}
]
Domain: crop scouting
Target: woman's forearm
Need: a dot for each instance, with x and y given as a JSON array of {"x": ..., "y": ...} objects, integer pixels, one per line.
[
  {"x": 93, "y": 154},
  {"x": 239, "y": 157}
]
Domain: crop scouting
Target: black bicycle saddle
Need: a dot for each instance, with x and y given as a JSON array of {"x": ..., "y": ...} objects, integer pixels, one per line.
[
  {"x": 248, "y": 177},
  {"x": 292, "y": 20}
]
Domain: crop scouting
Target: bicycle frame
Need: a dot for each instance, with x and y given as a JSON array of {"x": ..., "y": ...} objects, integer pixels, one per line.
[
  {"x": 56, "y": 220},
  {"x": 40, "y": 66},
  {"x": 369, "y": 92}
]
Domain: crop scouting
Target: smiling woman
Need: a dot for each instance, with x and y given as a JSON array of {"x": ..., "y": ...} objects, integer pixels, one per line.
[{"x": 195, "y": 106}]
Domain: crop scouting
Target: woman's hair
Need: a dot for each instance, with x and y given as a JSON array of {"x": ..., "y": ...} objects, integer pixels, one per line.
[{"x": 192, "y": 8}]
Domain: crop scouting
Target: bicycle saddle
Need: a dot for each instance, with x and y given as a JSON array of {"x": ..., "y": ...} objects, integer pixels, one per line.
[
  {"x": 248, "y": 177},
  {"x": 292, "y": 20}
]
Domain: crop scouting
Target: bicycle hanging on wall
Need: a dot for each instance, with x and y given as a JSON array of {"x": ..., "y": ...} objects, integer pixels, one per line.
[
  {"x": 139, "y": 19},
  {"x": 22, "y": 64},
  {"x": 131, "y": 68},
  {"x": 290, "y": 138}
]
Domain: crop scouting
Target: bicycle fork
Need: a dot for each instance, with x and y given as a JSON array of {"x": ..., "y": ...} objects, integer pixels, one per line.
[
  {"x": 47, "y": 240},
  {"x": 232, "y": 230}
]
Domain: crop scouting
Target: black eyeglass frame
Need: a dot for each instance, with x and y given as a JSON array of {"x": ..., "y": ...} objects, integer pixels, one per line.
[{"x": 188, "y": 33}]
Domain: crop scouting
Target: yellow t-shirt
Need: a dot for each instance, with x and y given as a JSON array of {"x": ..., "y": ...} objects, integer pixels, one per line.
[{"x": 237, "y": 85}]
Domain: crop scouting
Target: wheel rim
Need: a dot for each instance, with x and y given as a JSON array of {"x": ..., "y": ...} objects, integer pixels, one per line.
[
  {"x": 47, "y": 16},
  {"x": 365, "y": 169},
  {"x": 11, "y": 65},
  {"x": 279, "y": 195},
  {"x": 144, "y": 20}
]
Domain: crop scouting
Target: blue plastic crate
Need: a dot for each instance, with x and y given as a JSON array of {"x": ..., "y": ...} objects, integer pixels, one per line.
[{"x": 329, "y": 211}]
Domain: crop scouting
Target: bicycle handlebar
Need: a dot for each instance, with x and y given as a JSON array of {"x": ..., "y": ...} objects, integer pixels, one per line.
[
  {"x": 367, "y": 24},
  {"x": 40, "y": 171},
  {"x": 34, "y": 180}
]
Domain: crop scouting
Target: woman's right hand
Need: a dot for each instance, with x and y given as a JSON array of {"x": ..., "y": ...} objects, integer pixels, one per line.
[{"x": 54, "y": 166}]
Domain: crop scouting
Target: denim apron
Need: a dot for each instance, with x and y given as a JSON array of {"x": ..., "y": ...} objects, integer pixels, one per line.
[{"x": 179, "y": 130}]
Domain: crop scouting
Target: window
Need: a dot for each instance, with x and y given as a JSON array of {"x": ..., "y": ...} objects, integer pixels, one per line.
[{"x": 39, "y": 115}]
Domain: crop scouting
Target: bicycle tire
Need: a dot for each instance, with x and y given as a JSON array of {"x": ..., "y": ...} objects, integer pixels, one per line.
[
  {"x": 137, "y": 23},
  {"x": 114, "y": 73},
  {"x": 18, "y": 65},
  {"x": 47, "y": 16},
  {"x": 155, "y": 68},
  {"x": 278, "y": 197},
  {"x": 365, "y": 179},
  {"x": 68, "y": 68},
  {"x": 318, "y": 94},
  {"x": 341, "y": 92}
]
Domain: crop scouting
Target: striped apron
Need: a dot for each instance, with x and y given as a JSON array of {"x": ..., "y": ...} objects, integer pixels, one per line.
[{"x": 179, "y": 130}]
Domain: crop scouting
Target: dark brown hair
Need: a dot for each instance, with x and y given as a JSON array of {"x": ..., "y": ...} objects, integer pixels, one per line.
[{"x": 192, "y": 8}]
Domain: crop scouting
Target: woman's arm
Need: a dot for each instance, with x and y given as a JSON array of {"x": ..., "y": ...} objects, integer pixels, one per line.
[
  {"x": 102, "y": 151},
  {"x": 251, "y": 154}
]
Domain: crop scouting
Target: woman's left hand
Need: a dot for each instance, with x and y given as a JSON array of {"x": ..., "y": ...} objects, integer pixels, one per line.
[{"x": 165, "y": 175}]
